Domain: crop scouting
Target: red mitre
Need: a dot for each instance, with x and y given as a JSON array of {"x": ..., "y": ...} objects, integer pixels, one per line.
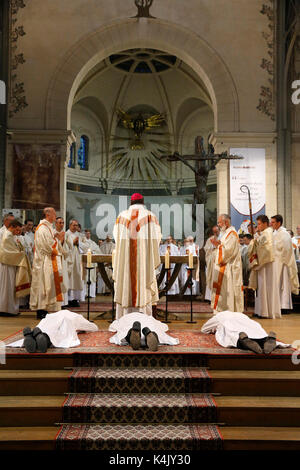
[{"x": 136, "y": 197}]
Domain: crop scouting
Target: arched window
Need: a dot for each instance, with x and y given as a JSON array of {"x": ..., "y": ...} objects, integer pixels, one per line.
[
  {"x": 83, "y": 153},
  {"x": 72, "y": 159}
]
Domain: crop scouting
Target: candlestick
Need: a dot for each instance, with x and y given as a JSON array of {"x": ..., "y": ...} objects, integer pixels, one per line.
[
  {"x": 191, "y": 260},
  {"x": 89, "y": 259},
  {"x": 167, "y": 259}
]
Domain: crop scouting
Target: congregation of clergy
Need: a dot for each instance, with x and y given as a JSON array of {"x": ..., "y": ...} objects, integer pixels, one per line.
[{"x": 42, "y": 266}]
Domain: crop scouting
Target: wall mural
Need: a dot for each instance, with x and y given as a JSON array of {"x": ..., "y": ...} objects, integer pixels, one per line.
[{"x": 36, "y": 176}]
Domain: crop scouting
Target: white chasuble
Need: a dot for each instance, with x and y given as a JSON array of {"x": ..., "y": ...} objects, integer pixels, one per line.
[
  {"x": 227, "y": 289},
  {"x": 47, "y": 286},
  {"x": 137, "y": 235}
]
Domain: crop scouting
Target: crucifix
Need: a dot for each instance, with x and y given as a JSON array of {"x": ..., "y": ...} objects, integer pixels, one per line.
[{"x": 204, "y": 163}]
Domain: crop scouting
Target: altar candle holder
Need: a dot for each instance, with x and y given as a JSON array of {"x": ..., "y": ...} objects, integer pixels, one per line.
[
  {"x": 89, "y": 268},
  {"x": 190, "y": 285}
]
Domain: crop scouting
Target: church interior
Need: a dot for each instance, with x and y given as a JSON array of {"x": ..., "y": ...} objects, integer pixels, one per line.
[{"x": 182, "y": 103}]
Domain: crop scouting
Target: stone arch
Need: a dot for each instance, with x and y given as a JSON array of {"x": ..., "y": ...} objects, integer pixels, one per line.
[{"x": 149, "y": 33}]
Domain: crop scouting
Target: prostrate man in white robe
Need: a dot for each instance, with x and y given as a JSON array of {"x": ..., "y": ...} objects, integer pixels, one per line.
[
  {"x": 94, "y": 249},
  {"x": 173, "y": 251},
  {"x": 264, "y": 274},
  {"x": 227, "y": 292},
  {"x": 76, "y": 283},
  {"x": 65, "y": 250},
  {"x": 7, "y": 219},
  {"x": 15, "y": 270},
  {"x": 210, "y": 254},
  {"x": 137, "y": 235},
  {"x": 106, "y": 248},
  {"x": 286, "y": 264},
  {"x": 47, "y": 288},
  {"x": 235, "y": 329}
]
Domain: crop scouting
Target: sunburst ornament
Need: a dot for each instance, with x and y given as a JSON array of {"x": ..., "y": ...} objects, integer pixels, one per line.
[{"x": 137, "y": 149}]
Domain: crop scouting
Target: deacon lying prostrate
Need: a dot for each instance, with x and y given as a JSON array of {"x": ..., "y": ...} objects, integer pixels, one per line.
[
  {"x": 139, "y": 330},
  {"x": 61, "y": 328},
  {"x": 235, "y": 329}
]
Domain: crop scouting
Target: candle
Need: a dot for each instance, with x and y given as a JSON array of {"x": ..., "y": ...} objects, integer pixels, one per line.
[
  {"x": 167, "y": 259},
  {"x": 191, "y": 260},
  {"x": 89, "y": 259},
  {"x": 113, "y": 258}
]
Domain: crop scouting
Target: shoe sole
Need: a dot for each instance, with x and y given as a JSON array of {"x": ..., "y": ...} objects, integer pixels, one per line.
[
  {"x": 135, "y": 339},
  {"x": 30, "y": 344},
  {"x": 269, "y": 347},
  {"x": 42, "y": 343},
  {"x": 152, "y": 342}
]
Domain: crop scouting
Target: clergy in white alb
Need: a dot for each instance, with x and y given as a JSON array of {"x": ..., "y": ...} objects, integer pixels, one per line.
[
  {"x": 76, "y": 292},
  {"x": 263, "y": 276},
  {"x": 210, "y": 254},
  {"x": 173, "y": 251},
  {"x": 91, "y": 246},
  {"x": 187, "y": 248},
  {"x": 137, "y": 235},
  {"x": 228, "y": 325},
  {"x": 47, "y": 289},
  {"x": 15, "y": 272},
  {"x": 65, "y": 250},
  {"x": 288, "y": 282},
  {"x": 227, "y": 289},
  {"x": 296, "y": 243},
  {"x": 7, "y": 219}
]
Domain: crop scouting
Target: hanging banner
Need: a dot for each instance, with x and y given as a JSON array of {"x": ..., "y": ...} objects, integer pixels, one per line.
[{"x": 250, "y": 171}]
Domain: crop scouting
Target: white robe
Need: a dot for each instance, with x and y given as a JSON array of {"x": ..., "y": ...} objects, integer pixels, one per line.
[
  {"x": 210, "y": 254},
  {"x": 29, "y": 245},
  {"x": 9, "y": 303},
  {"x": 267, "y": 300},
  {"x": 47, "y": 287},
  {"x": 137, "y": 234},
  {"x": 173, "y": 252},
  {"x": 62, "y": 327},
  {"x": 296, "y": 246},
  {"x": 123, "y": 325},
  {"x": 227, "y": 292},
  {"x": 76, "y": 282},
  {"x": 228, "y": 325},
  {"x": 286, "y": 267}
]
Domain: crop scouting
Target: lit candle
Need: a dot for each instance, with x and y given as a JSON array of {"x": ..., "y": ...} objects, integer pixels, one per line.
[
  {"x": 89, "y": 259},
  {"x": 167, "y": 259},
  {"x": 113, "y": 258},
  {"x": 191, "y": 261}
]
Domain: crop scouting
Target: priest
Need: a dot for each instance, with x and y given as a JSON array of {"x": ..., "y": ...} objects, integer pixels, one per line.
[
  {"x": 91, "y": 246},
  {"x": 76, "y": 291},
  {"x": 7, "y": 219},
  {"x": 65, "y": 250},
  {"x": 210, "y": 254},
  {"x": 15, "y": 272},
  {"x": 47, "y": 289},
  {"x": 137, "y": 235},
  {"x": 285, "y": 263},
  {"x": 227, "y": 289},
  {"x": 263, "y": 276}
]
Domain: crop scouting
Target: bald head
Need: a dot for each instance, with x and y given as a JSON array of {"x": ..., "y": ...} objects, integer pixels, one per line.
[
  {"x": 49, "y": 214},
  {"x": 224, "y": 222}
]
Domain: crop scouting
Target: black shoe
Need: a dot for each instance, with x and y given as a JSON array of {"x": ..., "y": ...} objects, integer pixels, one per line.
[
  {"x": 246, "y": 343},
  {"x": 151, "y": 339},
  {"x": 285, "y": 311},
  {"x": 270, "y": 343},
  {"x": 29, "y": 342},
  {"x": 64, "y": 307},
  {"x": 74, "y": 303},
  {"x": 40, "y": 314},
  {"x": 133, "y": 336},
  {"x": 41, "y": 340}
]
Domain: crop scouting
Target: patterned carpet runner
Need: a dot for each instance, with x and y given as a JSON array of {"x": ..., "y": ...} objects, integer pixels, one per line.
[
  {"x": 139, "y": 380},
  {"x": 119, "y": 437},
  {"x": 140, "y": 408}
]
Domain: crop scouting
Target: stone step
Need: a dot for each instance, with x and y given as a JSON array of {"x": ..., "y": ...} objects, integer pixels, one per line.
[
  {"x": 231, "y": 410},
  {"x": 226, "y": 382},
  {"x": 234, "y": 438}
]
